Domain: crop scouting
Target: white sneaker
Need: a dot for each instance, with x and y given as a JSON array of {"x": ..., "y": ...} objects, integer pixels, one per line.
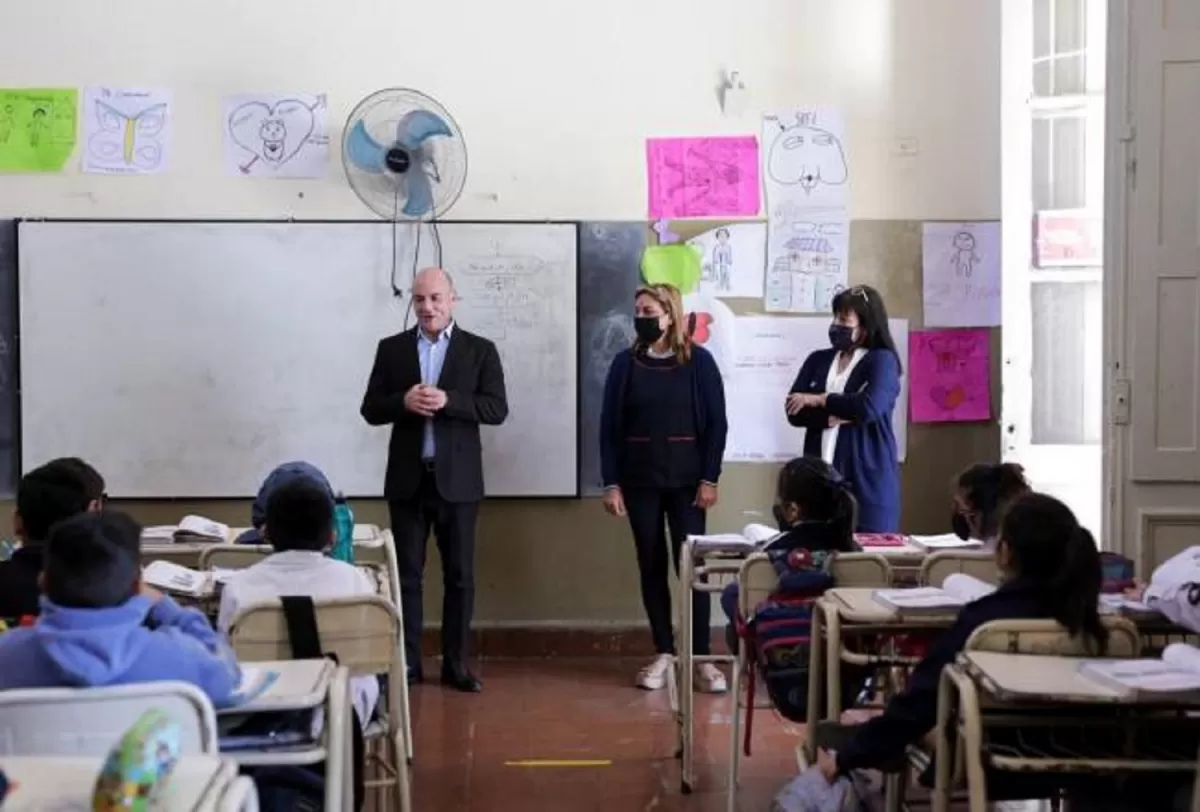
[
  {"x": 654, "y": 676},
  {"x": 709, "y": 679}
]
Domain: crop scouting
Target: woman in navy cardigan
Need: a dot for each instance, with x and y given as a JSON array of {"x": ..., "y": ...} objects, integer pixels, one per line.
[
  {"x": 662, "y": 437},
  {"x": 844, "y": 397}
]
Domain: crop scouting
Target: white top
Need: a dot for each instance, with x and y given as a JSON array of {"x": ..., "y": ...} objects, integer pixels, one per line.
[
  {"x": 1170, "y": 587},
  {"x": 835, "y": 384},
  {"x": 302, "y": 572},
  {"x": 61, "y": 782}
]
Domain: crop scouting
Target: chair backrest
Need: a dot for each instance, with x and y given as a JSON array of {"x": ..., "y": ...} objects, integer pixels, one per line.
[
  {"x": 89, "y": 721},
  {"x": 861, "y": 569},
  {"x": 981, "y": 565},
  {"x": 1049, "y": 638},
  {"x": 233, "y": 556},
  {"x": 757, "y": 578}
]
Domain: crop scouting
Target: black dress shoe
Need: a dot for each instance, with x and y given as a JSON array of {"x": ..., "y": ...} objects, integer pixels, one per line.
[{"x": 460, "y": 679}]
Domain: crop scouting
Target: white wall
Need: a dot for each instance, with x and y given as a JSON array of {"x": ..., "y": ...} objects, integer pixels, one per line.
[{"x": 555, "y": 96}]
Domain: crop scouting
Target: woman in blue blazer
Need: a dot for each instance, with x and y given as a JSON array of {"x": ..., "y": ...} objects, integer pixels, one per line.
[
  {"x": 844, "y": 397},
  {"x": 662, "y": 437}
]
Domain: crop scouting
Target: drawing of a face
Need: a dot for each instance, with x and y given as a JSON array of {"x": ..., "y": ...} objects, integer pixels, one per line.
[
  {"x": 722, "y": 236},
  {"x": 964, "y": 241},
  {"x": 807, "y": 156},
  {"x": 273, "y": 133}
]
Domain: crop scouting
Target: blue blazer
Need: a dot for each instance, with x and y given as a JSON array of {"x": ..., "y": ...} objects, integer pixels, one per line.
[
  {"x": 709, "y": 400},
  {"x": 866, "y": 448}
]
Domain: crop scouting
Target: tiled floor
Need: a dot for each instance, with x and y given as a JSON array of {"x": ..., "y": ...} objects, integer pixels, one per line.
[{"x": 572, "y": 710}]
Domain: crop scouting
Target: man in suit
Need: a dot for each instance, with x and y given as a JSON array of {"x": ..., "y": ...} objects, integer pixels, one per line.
[{"x": 436, "y": 384}]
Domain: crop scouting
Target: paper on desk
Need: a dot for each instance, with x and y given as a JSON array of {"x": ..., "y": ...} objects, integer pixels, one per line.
[
  {"x": 254, "y": 683},
  {"x": 163, "y": 533},
  {"x": 945, "y": 541},
  {"x": 171, "y": 577}
]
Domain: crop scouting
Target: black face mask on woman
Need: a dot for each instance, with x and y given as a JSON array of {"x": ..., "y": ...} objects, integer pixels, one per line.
[
  {"x": 648, "y": 329},
  {"x": 841, "y": 337},
  {"x": 960, "y": 525}
]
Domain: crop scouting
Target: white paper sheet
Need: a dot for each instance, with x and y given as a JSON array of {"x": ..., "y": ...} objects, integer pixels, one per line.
[
  {"x": 126, "y": 131},
  {"x": 807, "y": 180},
  {"x": 715, "y": 329},
  {"x": 277, "y": 136},
  {"x": 733, "y": 260},
  {"x": 769, "y": 353},
  {"x": 961, "y": 272}
]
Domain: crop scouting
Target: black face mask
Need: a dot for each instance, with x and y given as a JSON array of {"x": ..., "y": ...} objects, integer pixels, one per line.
[
  {"x": 962, "y": 528},
  {"x": 648, "y": 329},
  {"x": 841, "y": 337}
]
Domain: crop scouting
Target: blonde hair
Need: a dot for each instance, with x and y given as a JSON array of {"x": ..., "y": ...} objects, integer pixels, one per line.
[{"x": 678, "y": 336}]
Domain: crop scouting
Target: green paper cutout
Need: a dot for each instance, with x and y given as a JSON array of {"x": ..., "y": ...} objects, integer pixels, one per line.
[
  {"x": 37, "y": 129},
  {"x": 677, "y": 264}
]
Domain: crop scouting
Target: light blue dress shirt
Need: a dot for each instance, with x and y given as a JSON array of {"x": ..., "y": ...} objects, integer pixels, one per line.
[{"x": 432, "y": 354}]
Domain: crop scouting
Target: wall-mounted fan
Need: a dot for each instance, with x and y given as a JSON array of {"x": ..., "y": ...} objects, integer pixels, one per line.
[{"x": 404, "y": 155}]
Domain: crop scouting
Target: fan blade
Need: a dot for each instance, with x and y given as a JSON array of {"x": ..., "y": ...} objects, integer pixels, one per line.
[
  {"x": 420, "y": 194},
  {"x": 363, "y": 151},
  {"x": 419, "y": 125}
]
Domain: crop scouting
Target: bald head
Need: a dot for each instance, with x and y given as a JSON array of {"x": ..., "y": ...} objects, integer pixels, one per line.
[{"x": 433, "y": 300}]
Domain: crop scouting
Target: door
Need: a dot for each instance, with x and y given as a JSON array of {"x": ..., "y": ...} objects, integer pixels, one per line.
[
  {"x": 1053, "y": 155},
  {"x": 1156, "y": 371}
]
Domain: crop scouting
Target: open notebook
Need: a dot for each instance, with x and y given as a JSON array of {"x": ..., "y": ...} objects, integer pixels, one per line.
[
  {"x": 945, "y": 541},
  {"x": 1177, "y": 671},
  {"x": 200, "y": 529},
  {"x": 956, "y": 591},
  {"x": 752, "y": 537},
  {"x": 177, "y": 580}
]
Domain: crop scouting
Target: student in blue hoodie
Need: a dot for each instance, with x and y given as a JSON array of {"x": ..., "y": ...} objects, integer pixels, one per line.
[
  {"x": 283, "y": 474},
  {"x": 100, "y": 625}
]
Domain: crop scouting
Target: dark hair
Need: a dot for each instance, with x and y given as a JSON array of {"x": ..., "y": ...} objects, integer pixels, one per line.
[
  {"x": 721, "y": 231},
  {"x": 92, "y": 480},
  {"x": 987, "y": 488},
  {"x": 93, "y": 560},
  {"x": 866, "y": 303},
  {"x": 299, "y": 516},
  {"x": 49, "y": 494},
  {"x": 1051, "y": 551},
  {"x": 822, "y": 496}
]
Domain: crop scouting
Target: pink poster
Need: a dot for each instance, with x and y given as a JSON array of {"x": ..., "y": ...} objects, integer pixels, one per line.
[
  {"x": 702, "y": 177},
  {"x": 949, "y": 375}
]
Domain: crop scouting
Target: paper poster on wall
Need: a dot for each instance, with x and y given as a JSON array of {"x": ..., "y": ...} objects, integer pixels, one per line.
[
  {"x": 961, "y": 274},
  {"x": 126, "y": 131},
  {"x": 733, "y": 259},
  {"x": 808, "y": 253},
  {"x": 37, "y": 128},
  {"x": 702, "y": 177},
  {"x": 807, "y": 178},
  {"x": 769, "y": 353},
  {"x": 276, "y": 136},
  {"x": 950, "y": 375},
  {"x": 713, "y": 328}
]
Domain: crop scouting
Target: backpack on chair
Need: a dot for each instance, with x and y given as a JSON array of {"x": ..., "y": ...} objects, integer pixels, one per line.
[{"x": 302, "y": 789}]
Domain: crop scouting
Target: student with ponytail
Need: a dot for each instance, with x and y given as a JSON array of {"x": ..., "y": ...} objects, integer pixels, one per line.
[{"x": 1050, "y": 569}]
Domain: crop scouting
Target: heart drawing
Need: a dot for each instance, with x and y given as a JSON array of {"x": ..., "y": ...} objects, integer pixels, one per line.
[
  {"x": 271, "y": 134},
  {"x": 948, "y": 398}
]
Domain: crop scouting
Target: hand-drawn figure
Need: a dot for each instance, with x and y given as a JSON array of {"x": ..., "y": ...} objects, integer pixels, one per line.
[
  {"x": 722, "y": 261},
  {"x": 271, "y": 134},
  {"x": 8, "y": 121},
  {"x": 806, "y": 155},
  {"x": 704, "y": 181},
  {"x": 128, "y": 141},
  {"x": 37, "y": 125},
  {"x": 964, "y": 257},
  {"x": 62, "y": 128}
]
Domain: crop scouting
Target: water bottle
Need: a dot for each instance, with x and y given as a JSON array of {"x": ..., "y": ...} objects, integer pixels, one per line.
[{"x": 343, "y": 523}]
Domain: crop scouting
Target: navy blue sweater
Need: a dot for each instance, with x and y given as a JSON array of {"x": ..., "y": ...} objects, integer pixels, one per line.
[
  {"x": 866, "y": 446},
  {"x": 708, "y": 404}
]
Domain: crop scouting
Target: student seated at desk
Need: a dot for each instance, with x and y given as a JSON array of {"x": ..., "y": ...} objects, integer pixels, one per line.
[
  {"x": 58, "y": 490},
  {"x": 1050, "y": 568},
  {"x": 1174, "y": 589},
  {"x": 282, "y": 475},
  {"x": 815, "y": 511},
  {"x": 298, "y": 523},
  {"x": 980, "y": 496},
  {"x": 100, "y": 625}
]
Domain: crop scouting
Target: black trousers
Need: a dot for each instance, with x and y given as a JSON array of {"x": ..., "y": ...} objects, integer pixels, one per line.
[
  {"x": 453, "y": 525},
  {"x": 647, "y": 508}
]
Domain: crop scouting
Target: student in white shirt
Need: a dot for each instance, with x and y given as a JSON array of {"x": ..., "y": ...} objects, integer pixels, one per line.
[
  {"x": 1174, "y": 589},
  {"x": 299, "y": 525}
]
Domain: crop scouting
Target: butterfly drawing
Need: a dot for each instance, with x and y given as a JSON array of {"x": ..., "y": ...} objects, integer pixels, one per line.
[{"x": 128, "y": 142}]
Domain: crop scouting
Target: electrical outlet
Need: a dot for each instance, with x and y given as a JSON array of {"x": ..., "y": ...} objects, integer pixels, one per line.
[{"x": 906, "y": 147}]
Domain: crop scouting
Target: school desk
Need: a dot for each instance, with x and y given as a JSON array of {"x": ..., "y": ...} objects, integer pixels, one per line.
[
  {"x": 368, "y": 542},
  {"x": 1065, "y": 724},
  {"x": 197, "y": 783}
]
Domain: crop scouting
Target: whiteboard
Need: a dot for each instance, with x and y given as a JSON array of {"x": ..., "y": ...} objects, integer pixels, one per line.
[{"x": 188, "y": 359}]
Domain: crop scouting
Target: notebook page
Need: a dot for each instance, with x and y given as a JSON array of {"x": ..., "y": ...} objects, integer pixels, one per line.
[
  {"x": 967, "y": 587},
  {"x": 172, "y": 577},
  {"x": 945, "y": 541},
  {"x": 1183, "y": 657}
]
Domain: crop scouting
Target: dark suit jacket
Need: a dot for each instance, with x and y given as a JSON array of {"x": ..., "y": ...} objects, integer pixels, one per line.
[{"x": 473, "y": 380}]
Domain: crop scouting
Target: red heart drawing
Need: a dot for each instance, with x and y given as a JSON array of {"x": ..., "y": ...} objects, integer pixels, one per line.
[
  {"x": 950, "y": 398},
  {"x": 700, "y": 324}
]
